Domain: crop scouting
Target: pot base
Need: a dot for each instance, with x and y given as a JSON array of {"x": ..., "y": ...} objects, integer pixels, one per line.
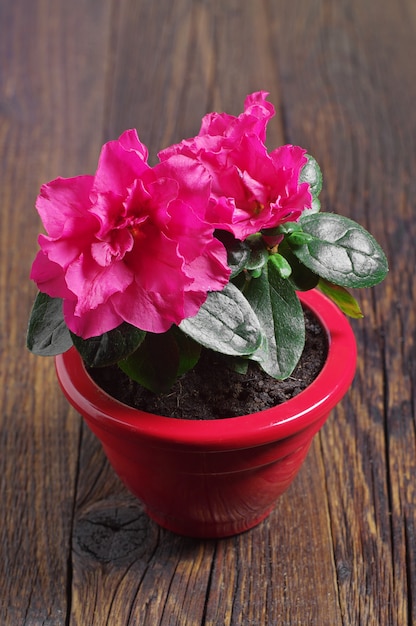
[{"x": 213, "y": 530}]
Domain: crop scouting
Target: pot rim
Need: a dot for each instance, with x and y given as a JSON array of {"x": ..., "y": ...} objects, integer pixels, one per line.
[{"x": 279, "y": 422}]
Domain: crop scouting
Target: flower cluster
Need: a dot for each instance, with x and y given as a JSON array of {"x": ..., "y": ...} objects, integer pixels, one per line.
[
  {"x": 200, "y": 244},
  {"x": 251, "y": 189},
  {"x": 136, "y": 244},
  {"x": 129, "y": 244}
]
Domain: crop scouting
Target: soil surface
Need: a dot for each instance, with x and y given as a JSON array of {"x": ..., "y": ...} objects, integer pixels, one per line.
[{"x": 212, "y": 391}]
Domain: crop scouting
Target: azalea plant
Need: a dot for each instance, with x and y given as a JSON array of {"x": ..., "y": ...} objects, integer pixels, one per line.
[{"x": 146, "y": 266}]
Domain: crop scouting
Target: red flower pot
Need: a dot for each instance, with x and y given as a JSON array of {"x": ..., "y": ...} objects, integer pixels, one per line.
[{"x": 218, "y": 477}]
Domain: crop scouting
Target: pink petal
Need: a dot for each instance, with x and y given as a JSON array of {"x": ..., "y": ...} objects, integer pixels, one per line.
[
  {"x": 64, "y": 199},
  {"x": 120, "y": 163},
  {"x": 92, "y": 323},
  {"x": 94, "y": 284},
  {"x": 49, "y": 277}
]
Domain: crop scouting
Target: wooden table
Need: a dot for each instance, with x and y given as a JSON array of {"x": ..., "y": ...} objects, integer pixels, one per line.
[{"x": 340, "y": 547}]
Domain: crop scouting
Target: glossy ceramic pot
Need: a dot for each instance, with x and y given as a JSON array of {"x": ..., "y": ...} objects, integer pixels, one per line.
[{"x": 219, "y": 477}]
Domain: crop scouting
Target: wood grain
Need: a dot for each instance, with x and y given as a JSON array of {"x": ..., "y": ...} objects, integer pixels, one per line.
[{"x": 339, "y": 548}]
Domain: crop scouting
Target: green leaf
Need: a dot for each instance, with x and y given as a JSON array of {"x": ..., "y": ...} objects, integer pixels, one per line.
[
  {"x": 299, "y": 238},
  {"x": 237, "y": 258},
  {"x": 258, "y": 256},
  {"x": 311, "y": 173},
  {"x": 47, "y": 334},
  {"x": 225, "y": 323},
  {"x": 239, "y": 364},
  {"x": 301, "y": 278},
  {"x": 342, "y": 298},
  {"x": 278, "y": 308},
  {"x": 315, "y": 206},
  {"x": 155, "y": 363},
  {"x": 189, "y": 351},
  {"x": 238, "y": 252},
  {"x": 341, "y": 251},
  {"x": 281, "y": 264},
  {"x": 109, "y": 347},
  {"x": 257, "y": 259},
  {"x": 287, "y": 228}
]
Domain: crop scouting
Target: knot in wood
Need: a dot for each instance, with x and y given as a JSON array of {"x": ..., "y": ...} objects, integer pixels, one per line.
[{"x": 113, "y": 534}]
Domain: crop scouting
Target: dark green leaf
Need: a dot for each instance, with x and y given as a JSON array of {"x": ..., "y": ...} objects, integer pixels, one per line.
[
  {"x": 109, "y": 347},
  {"x": 315, "y": 207},
  {"x": 287, "y": 228},
  {"x": 155, "y": 363},
  {"x": 189, "y": 351},
  {"x": 238, "y": 364},
  {"x": 342, "y": 298},
  {"x": 241, "y": 280},
  {"x": 47, "y": 334},
  {"x": 281, "y": 264},
  {"x": 257, "y": 259},
  {"x": 237, "y": 258},
  {"x": 238, "y": 252},
  {"x": 311, "y": 173},
  {"x": 225, "y": 323},
  {"x": 278, "y": 308},
  {"x": 299, "y": 238},
  {"x": 258, "y": 256},
  {"x": 341, "y": 251},
  {"x": 301, "y": 278}
]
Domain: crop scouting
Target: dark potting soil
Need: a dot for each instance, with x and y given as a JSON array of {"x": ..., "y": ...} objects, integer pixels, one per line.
[{"x": 212, "y": 391}]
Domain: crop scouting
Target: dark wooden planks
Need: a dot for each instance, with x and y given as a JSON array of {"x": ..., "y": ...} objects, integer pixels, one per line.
[
  {"x": 174, "y": 63},
  {"x": 339, "y": 547},
  {"x": 355, "y": 75},
  {"x": 52, "y": 80}
]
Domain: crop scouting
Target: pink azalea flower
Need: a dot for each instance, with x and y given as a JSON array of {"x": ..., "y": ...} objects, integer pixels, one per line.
[
  {"x": 252, "y": 189},
  {"x": 130, "y": 243}
]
